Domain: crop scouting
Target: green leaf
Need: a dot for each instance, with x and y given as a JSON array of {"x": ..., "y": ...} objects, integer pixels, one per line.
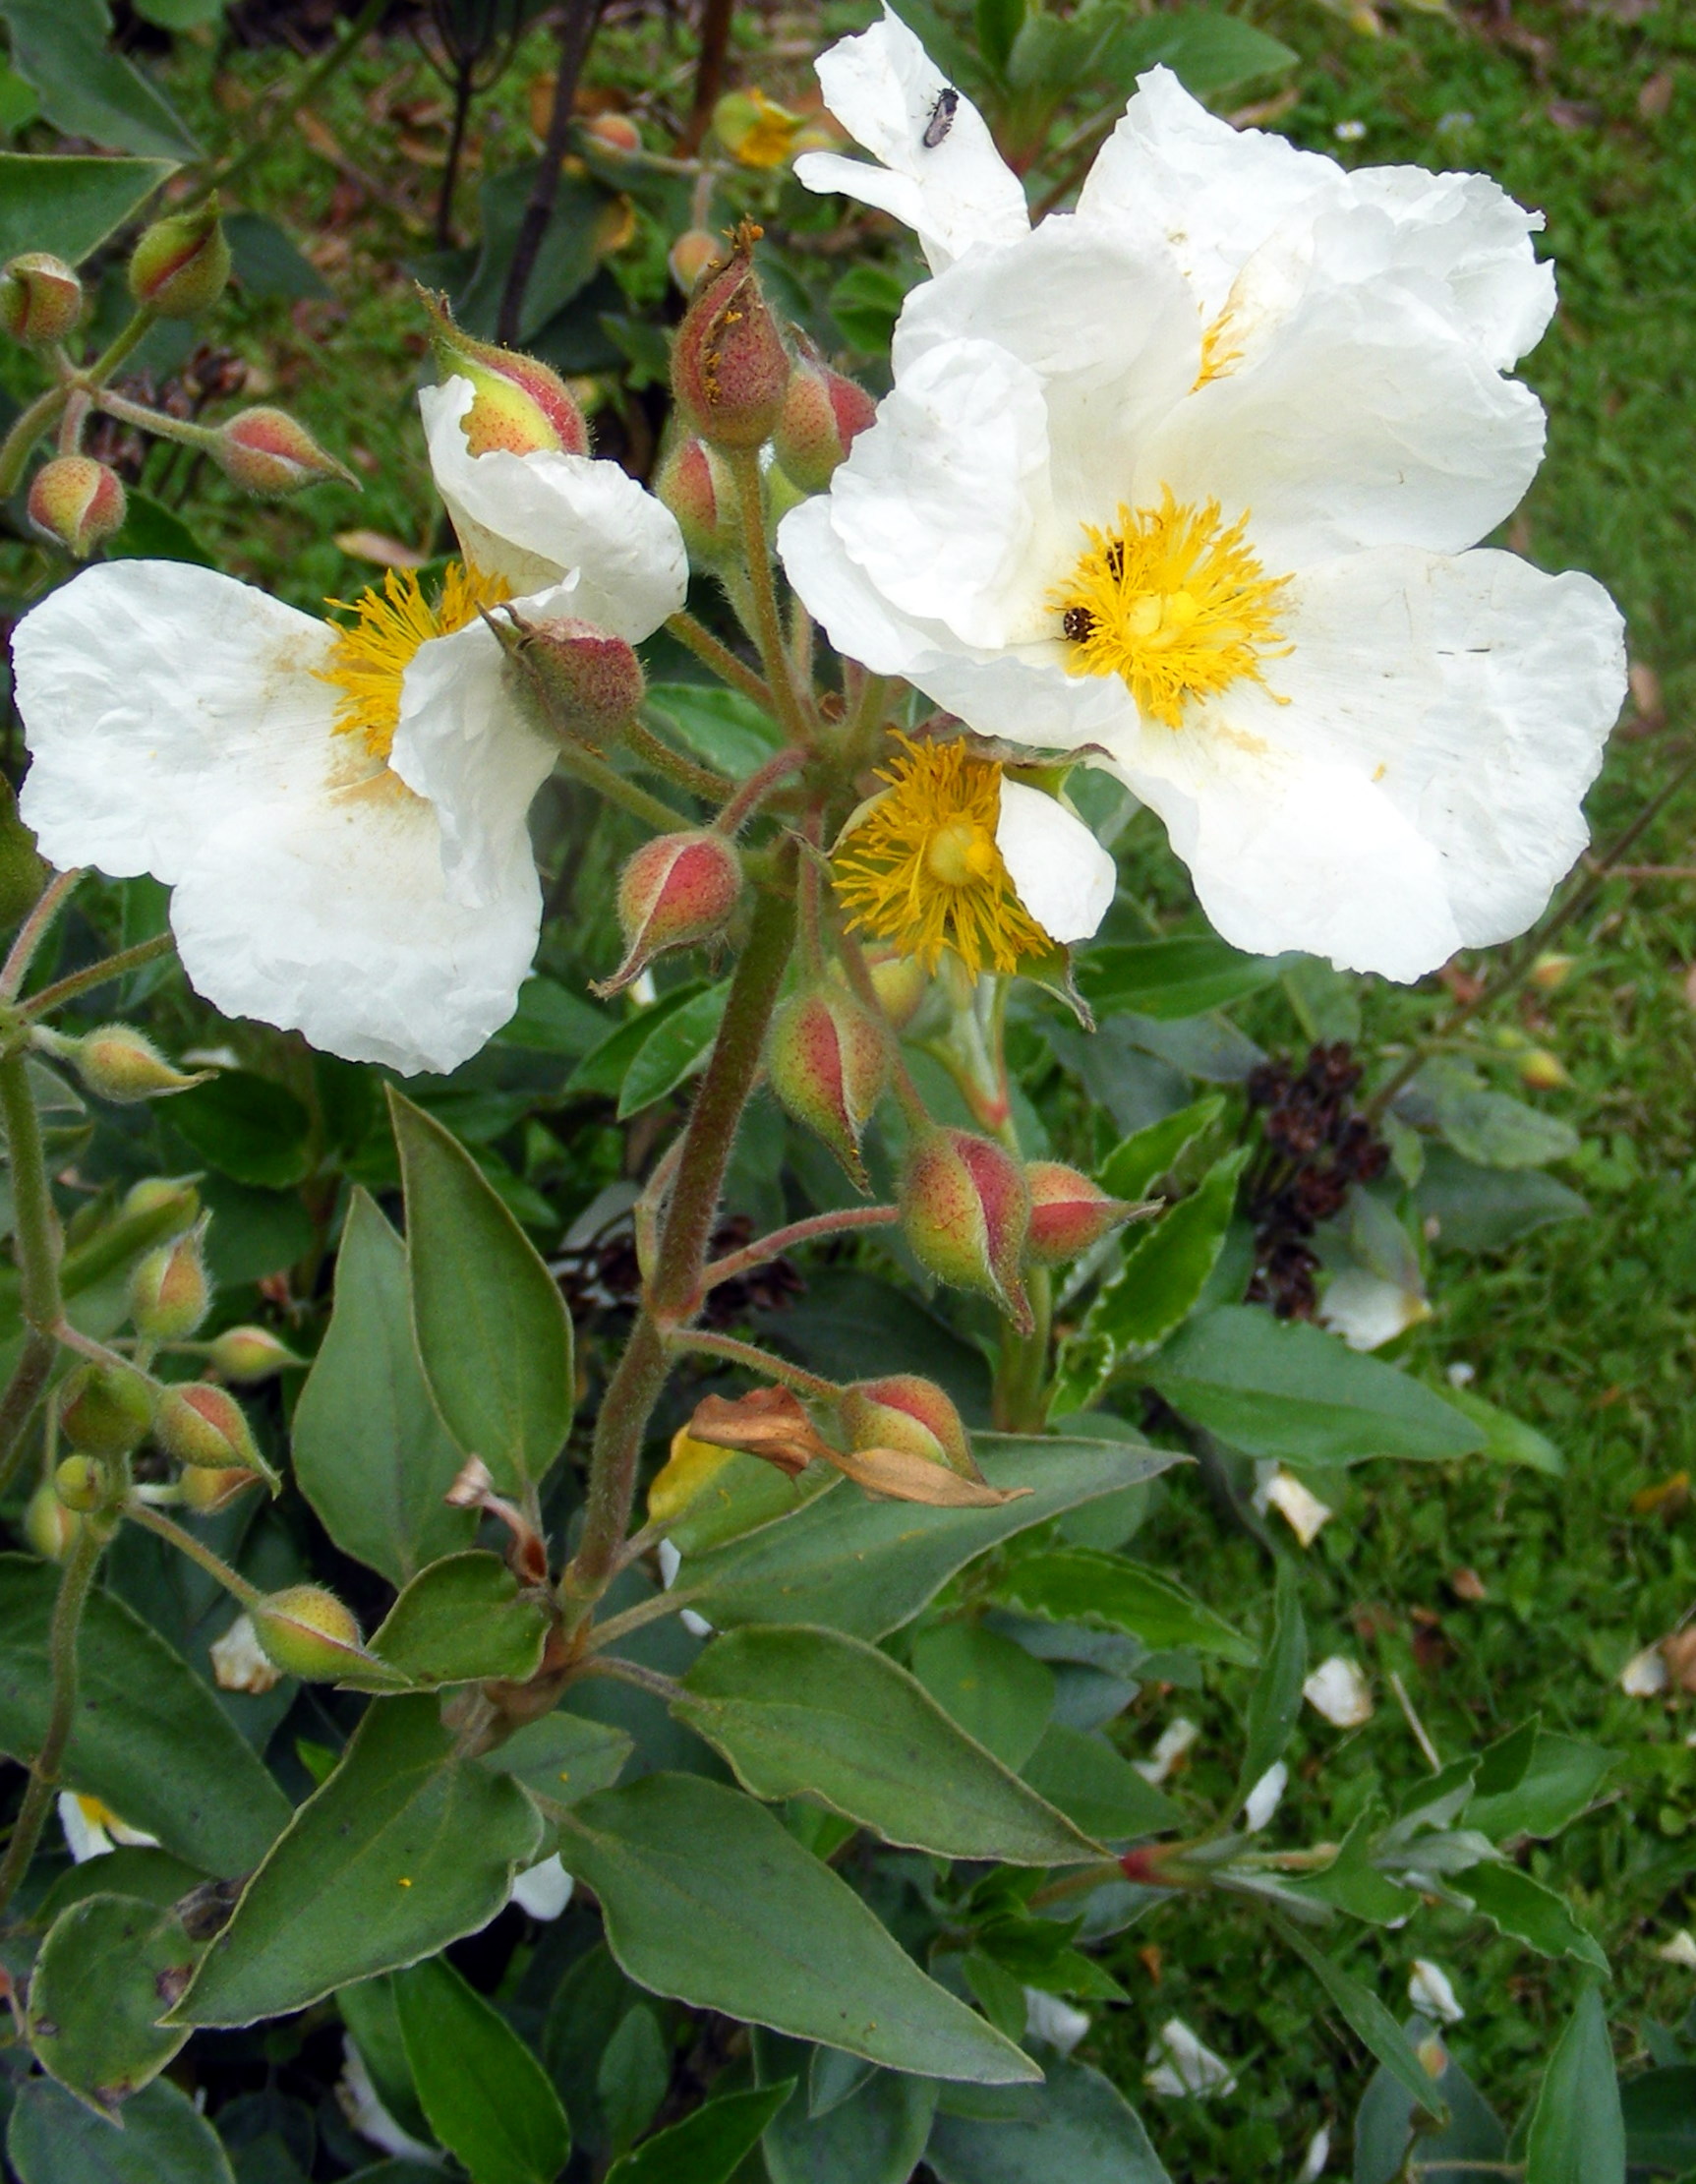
[
  {"x": 866, "y": 1568},
  {"x": 802, "y": 1712},
  {"x": 152, "y": 532},
  {"x": 998, "y": 23},
  {"x": 1276, "y": 1699},
  {"x": 163, "y": 2138},
  {"x": 1207, "y": 49},
  {"x": 1273, "y": 1387},
  {"x": 1105, "y": 1592},
  {"x": 154, "y": 1876},
  {"x": 571, "y": 248},
  {"x": 1096, "y": 1786},
  {"x": 70, "y": 205},
  {"x": 866, "y": 303},
  {"x": 708, "y": 2147},
  {"x": 369, "y": 2011},
  {"x": 561, "y": 1758},
  {"x": 404, "y": 1849},
  {"x": 1138, "y": 1161},
  {"x": 1506, "y": 1439},
  {"x": 602, "y": 1068},
  {"x": 1496, "y": 1130},
  {"x": 59, "y": 46},
  {"x": 1354, "y": 1884},
  {"x": 996, "y": 1691},
  {"x": 1384, "y": 2127},
  {"x": 1577, "y": 2129},
  {"x": 247, "y": 1127},
  {"x": 1517, "y": 1905},
  {"x": 264, "y": 262},
  {"x": 462, "y": 1619},
  {"x": 720, "y": 727},
  {"x": 875, "y": 2135},
  {"x": 1171, "y": 979},
  {"x": 1075, "y": 2129},
  {"x": 493, "y": 1329},
  {"x": 1658, "y": 2110},
  {"x": 633, "y": 2074},
  {"x": 551, "y": 1019},
  {"x": 1367, "y": 2016},
  {"x": 149, "y": 1739},
  {"x": 1476, "y": 1208},
  {"x": 761, "y": 1930},
  {"x": 108, "y": 1966},
  {"x": 486, "y": 2096},
  {"x": 675, "y": 1050},
  {"x": 370, "y": 1453},
  {"x": 1535, "y": 1783}
]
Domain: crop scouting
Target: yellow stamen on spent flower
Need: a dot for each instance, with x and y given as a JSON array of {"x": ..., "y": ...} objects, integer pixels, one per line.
[
  {"x": 1219, "y": 359},
  {"x": 1174, "y": 603},
  {"x": 922, "y": 870},
  {"x": 372, "y": 654}
]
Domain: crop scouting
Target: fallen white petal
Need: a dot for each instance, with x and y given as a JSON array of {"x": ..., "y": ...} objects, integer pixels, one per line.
[
  {"x": 1304, "y": 1513},
  {"x": 1175, "y": 1740},
  {"x": 1432, "y": 1994},
  {"x": 544, "y": 1890},
  {"x": 1680, "y": 1950},
  {"x": 1263, "y": 1798},
  {"x": 1339, "y": 1692},
  {"x": 1049, "y": 2018},
  {"x": 1367, "y": 1312},
  {"x": 670, "y": 1559},
  {"x": 1646, "y": 1674},
  {"x": 1183, "y": 2065},
  {"x": 239, "y": 1663},
  {"x": 1317, "y": 2156}
]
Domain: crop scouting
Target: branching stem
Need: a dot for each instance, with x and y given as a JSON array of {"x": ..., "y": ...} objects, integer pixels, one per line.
[
  {"x": 721, "y": 659},
  {"x": 764, "y": 1248},
  {"x": 118, "y": 966}
]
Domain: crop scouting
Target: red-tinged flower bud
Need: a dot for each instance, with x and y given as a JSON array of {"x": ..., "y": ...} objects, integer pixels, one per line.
[
  {"x": 615, "y": 133},
  {"x": 249, "y": 1355},
  {"x": 1068, "y": 1213},
  {"x": 105, "y": 1410},
  {"x": 696, "y": 484},
  {"x": 905, "y": 1412},
  {"x": 202, "y": 1425},
  {"x": 966, "y": 1212},
  {"x": 520, "y": 404},
  {"x": 181, "y": 265},
  {"x": 729, "y": 363},
  {"x": 164, "y": 1195},
  {"x": 49, "y": 1526},
  {"x": 209, "y": 1492},
  {"x": 169, "y": 1292},
  {"x": 77, "y": 502},
  {"x": 1551, "y": 971},
  {"x": 40, "y": 299},
  {"x": 677, "y": 891},
  {"x": 265, "y": 451},
  {"x": 899, "y": 981},
  {"x": 308, "y": 1632},
  {"x": 586, "y": 683},
  {"x": 1543, "y": 1071},
  {"x": 120, "y": 1064},
  {"x": 690, "y": 256},
  {"x": 829, "y": 1063},
  {"x": 80, "y": 1482},
  {"x": 822, "y": 413}
]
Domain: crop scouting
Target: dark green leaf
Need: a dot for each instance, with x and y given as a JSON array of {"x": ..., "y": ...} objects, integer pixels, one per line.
[
  {"x": 551, "y": 1019},
  {"x": 573, "y": 246},
  {"x": 675, "y": 1050},
  {"x": 866, "y": 303},
  {"x": 1075, "y": 2129},
  {"x": 708, "y": 2147},
  {"x": 369, "y": 2011},
  {"x": 761, "y": 1930},
  {"x": 874, "y": 2136},
  {"x": 1383, "y": 2128},
  {"x": 152, "y": 532},
  {"x": 1105, "y": 1592},
  {"x": 247, "y": 1127},
  {"x": 995, "y": 1691},
  {"x": 1367, "y": 2016},
  {"x": 253, "y": 1233},
  {"x": 108, "y": 1967},
  {"x": 149, "y": 1739},
  {"x": 265, "y": 262},
  {"x": 1169, "y": 979},
  {"x": 633, "y": 2074},
  {"x": 603, "y": 1068},
  {"x": 70, "y": 205},
  {"x": 720, "y": 727},
  {"x": 999, "y": 23},
  {"x": 1096, "y": 1786},
  {"x": 1207, "y": 49},
  {"x": 1577, "y": 2130},
  {"x": 1478, "y": 1209},
  {"x": 486, "y": 2096},
  {"x": 866, "y": 1568},
  {"x": 1352, "y": 1883},
  {"x": 562, "y": 1758},
  {"x": 1134, "y": 1166},
  {"x": 1506, "y": 1439},
  {"x": 59, "y": 46},
  {"x": 492, "y": 1331},
  {"x": 369, "y": 1451},
  {"x": 53, "y": 2139},
  {"x": 1276, "y": 1699},
  {"x": 1660, "y": 2115},
  {"x": 1535, "y": 1783},
  {"x": 462, "y": 1619},
  {"x": 1523, "y": 1907},
  {"x": 1283, "y": 1389},
  {"x": 1498, "y": 1132},
  {"x": 404, "y": 1849},
  {"x": 154, "y": 1876}
]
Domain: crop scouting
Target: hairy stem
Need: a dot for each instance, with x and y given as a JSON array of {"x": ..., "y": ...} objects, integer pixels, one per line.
[
  {"x": 768, "y": 626},
  {"x": 35, "y": 1225},
  {"x": 100, "y": 974},
  {"x": 765, "y": 1248},
  {"x": 185, "y": 1542},
  {"x": 605, "y": 781},
  {"x": 74, "y": 1583},
  {"x": 721, "y": 659},
  {"x": 633, "y": 1672},
  {"x": 757, "y": 788},
  {"x": 23, "y": 1390},
  {"x": 14, "y": 451},
  {"x": 653, "y": 752},
  {"x": 698, "y": 1343},
  {"x": 33, "y": 931}
]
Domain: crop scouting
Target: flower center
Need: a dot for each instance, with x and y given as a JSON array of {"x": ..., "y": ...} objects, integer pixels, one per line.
[
  {"x": 1174, "y": 603},
  {"x": 922, "y": 871},
  {"x": 373, "y": 652}
]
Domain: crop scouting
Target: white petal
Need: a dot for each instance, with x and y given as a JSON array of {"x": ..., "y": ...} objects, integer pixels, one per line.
[
  {"x": 1183, "y": 2065},
  {"x": 355, "y": 2098},
  {"x": 1047, "y": 2018},
  {"x": 1646, "y": 1675},
  {"x": 1368, "y": 1311},
  {"x": 671, "y": 1562},
  {"x": 1338, "y": 1691},
  {"x": 239, "y": 1663},
  {"x": 1061, "y": 873},
  {"x": 544, "y": 518},
  {"x": 156, "y": 698},
  {"x": 1266, "y": 1797},
  {"x": 1304, "y": 1513},
  {"x": 1318, "y": 2157},
  {"x": 883, "y": 87},
  {"x": 544, "y": 1890},
  {"x": 1174, "y": 1741},
  {"x": 1431, "y": 1992},
  {"x": 1680, "y": 1950},
  {"x": 83, "y": 1838},
  {"x": 1466, "y": 231}
]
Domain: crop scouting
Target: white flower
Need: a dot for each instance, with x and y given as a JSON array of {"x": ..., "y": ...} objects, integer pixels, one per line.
[
  {"x": 1304, "y": 1513},
  {"x": 1189, "y": 479},
  {"x": 1049, "y": 2018},
  {"x": 1182, "y": 2065},
  {"x": 1338, "y": 1691},
  {"x": 92, "y": 1829},
  {"x": 239, "y": 1663},
  {"x": 544, "y": 1890},
  {"x": 1266, "y": 1797},
  {"x": 1368, "y": 1311},
  {"x": 1431, "y": 1992}
]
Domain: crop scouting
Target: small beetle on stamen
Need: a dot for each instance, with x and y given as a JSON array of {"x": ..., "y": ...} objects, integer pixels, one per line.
[
  {"x": 941, "y": 117},
  {"x": 1079, "y": 623}
]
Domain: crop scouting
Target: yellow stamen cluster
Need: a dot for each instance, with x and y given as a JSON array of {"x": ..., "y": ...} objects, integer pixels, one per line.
[
  {"x": 1173, "y": 601},
  {"x": 373, "y": 653},
  {"x": 922, "y": 870},
  {"x": 1219, "y": 358}
]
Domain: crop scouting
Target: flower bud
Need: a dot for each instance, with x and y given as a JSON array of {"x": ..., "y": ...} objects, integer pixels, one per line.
[
  {"x": 200, "y": 1424},
  {"x": 268, "y": 453},
  {"x": 676, "y": 891},
  {"x": 181, "y": 264},
  {"x": 1551, "y": 971},
  {"x": 23, "y": 870},
  {"x": 205, "y": 1492},
  {"x": 965, "y": 1213},
  {"x": 119, "y": 1064},
  {"x": 696, "y": 484},
  {"x": 1543, "y": 1071},
  {"x": 169, "y": 1292},
  {"x": 822, "y": 413},
  {"x": 249, "y": 1355},
  {"x": 586, "y": 683},
  {"x": 899, "y": 981},
  {"x": 519, "y": 405},
  {"x": 49, "y": 1526},
  {"x": 1068, "y": 1213},
  {"x": 77, "y": 502},
  {"x": 105, "y": 1410},
  {"x": 81, "y": 1484},
  {"x": 729, "y": 363},
  {"x": 308, "y": 1632},
  {"x": 615, "y": 133},
  {"x": 40, "y": 299},
  {"x": 905, "y": 1412},
  {"x": 689, "y": 257},
  {"x": 829, "y": 1062},
  {"x": 162, "y": 1195}
]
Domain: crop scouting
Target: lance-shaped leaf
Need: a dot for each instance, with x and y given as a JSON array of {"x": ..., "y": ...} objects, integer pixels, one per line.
[
  {"x": 1577, "y": 2132},
  {"x": 875, "y": 2135},
  {"x": 1105, "y": 1592},
  {"x": 1532, "y": 1914},
  {"x": 161, "y": 2139},
  {"x": 1137, "y": 1163},
  {"x": 1075, "y": 2129},
  {"x": 802, "y": 1712},
  {"x": 108, "y": 1967},
  {"x": 489, "y": 2100},
  {"x": 60, "y": 49},
  {"x": 493, "y": 1329},
  {"x": 1171, "y": 979},
  {"x": 708, "y": 2147},
  {"x": 1276, "y": 1699},
  {"x": 149, "y": 1739},
  {"x": 404, "y": 1849},
  {"x": 1533, "y": 1781},
  {"x": 708, "y": 1898},
  {"x": 463, "y": 1620},
  {"x": 1369, "y": 2019}
]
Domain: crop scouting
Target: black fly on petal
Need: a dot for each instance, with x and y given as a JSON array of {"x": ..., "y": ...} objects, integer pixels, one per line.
[{"x": 941, "y": 117}]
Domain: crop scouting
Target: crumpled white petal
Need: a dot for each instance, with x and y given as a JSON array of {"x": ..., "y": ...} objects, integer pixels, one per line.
[
  {"x": 544, "y": 1890},
  {"x": 239, "y": 1663},
  {"x": 1059, "y": 871},
  {"x": 1183, "y": 2065},
  {"x": 1047, "y": 2018},
  {"x": 1266, "y": 1797},
  {"x": 1303, "y": 1511},
  {"x": 1338, "y": 1691},
  {"x": 1173, "y": 1742},
  {"x": 883, "y": 87},
  {"x": 1367, "y": 1312},
  {"x": 1432, "y": 1993},
  {"x": 355, "y": 2098},
  {"x": 548, "y": 518}
]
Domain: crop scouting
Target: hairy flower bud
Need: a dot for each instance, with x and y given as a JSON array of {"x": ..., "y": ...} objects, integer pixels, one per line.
[
  {"x": 902, "y": 1411},
  {"x": 172, "y": 1197},
  {"x": 249, "y": 1355},
  {"x": 202, "y": 1425},
  {"x": 23, "y": 869},
  {"x": 105, "y": 1410},
  {"x": 120, "y": 1064},
  {"x": 181, "y": 264},
  {"x": 615, "y": 133},
  {"x": 676, "y": 891},
  {"x": 1068, "y": 1213},
  {"x": 689, "y": 257},
  {"x": 519, "y": 405},
  {"x": 205, "y": 1492},
  {"x": 80, "y": 1482},
  {"x": 966, "y": 1212},
  {"x": 308, "y": 1632},
  {"x": 586, "y": 683},
  {"x": 696, "y": 484},
  {"x": 829, "y": 1063},
  {"x": 268, "y": 453},
  {"x": 40, "y": 299},
  {"x": 816, "y": 427},
  {"x": 77, "y": 502},
  {"x": 169, "y": 1292},
  {"x": 1543, "y": 1071},
  {"x": 48, "y": 1526},
  {"x": 729, "y": 363}
]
